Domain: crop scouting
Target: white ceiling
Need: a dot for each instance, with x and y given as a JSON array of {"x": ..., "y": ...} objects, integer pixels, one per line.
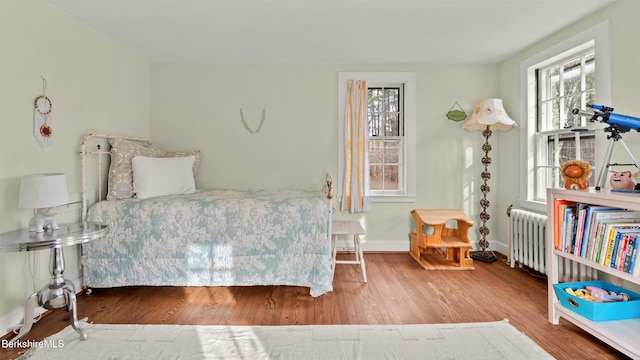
[{"x": 319, "y": 31}]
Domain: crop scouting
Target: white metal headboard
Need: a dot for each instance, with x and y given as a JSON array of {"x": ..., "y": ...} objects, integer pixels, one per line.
[{"x": 102, "y": 168}]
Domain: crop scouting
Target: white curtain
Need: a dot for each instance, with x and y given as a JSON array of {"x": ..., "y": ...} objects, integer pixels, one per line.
[{"x": 355, "y": 195}]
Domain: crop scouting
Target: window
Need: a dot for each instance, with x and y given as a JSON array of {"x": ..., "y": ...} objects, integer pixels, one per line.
[
  {"x": 560, "y": 135},
  {"x": 391, "y": 137},
  {"x": 569, "y": 75},
  {"x": 385, "y": 118}
]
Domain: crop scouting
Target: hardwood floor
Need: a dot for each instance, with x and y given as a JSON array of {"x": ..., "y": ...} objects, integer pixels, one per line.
[{"x": 398, "y": 291}]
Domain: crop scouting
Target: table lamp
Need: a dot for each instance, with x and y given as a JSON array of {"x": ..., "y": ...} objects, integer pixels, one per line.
[
  {"x": 488, "y": 115},
  {"x": 43, "y": 192}
]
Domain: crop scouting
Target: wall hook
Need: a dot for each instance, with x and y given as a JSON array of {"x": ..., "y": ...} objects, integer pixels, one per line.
[{"x": 44, "y": 86}]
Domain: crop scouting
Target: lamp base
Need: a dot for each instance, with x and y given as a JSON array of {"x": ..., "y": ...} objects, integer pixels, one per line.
[
  {"x": 44, "y": 218},
  {"x": 484, "y": 256}
]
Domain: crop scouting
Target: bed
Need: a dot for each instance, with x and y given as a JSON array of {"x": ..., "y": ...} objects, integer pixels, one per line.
[{"x": 195, "y": 237}]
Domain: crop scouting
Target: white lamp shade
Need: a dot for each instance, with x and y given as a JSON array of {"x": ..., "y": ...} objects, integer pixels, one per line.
[
  {"x": 43, "y": 191},
  {"x": 489, "y": 112}
]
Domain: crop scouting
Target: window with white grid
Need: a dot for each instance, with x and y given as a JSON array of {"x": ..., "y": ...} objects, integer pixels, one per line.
[
  {"x": 391, "y": 133},
  {"x": 563, "y": 85},
  {"x": 385, "y": 117},
  {"x": 566, "y": 76}
]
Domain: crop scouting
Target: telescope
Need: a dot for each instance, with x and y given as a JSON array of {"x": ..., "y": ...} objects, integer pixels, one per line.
[
  {"x": 606, "y": 115},
  {"x": 617, "y": 124}
]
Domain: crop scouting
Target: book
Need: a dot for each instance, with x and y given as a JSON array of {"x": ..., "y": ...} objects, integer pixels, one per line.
[
  {"x": 634, "y": 258},
  {"x": 617, "y": 259},
  {"x": 625, "y": 249},
  {"x": 588, "y": 232},
  {"x": 628, "y": 252},
  {"x": 601, "y": 217},
  {"x": 604, "y": 238},
  {"x": 606, "y": 243},
  {"x": 582, "y": 212},
  {"x": 617, "y": 243},
  {"x": 568, "y": 226},
  {"x": 559, "y": 206}
]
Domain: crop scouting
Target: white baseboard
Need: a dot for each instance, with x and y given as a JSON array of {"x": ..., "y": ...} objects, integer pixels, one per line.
[
  {"x": 386, "y": 246},
  {"x": 14, "y": 318},
  {"x": 375, "y": 246},
  {"x": 405, "y": 245},
  {"x": 499, "y": 247}
]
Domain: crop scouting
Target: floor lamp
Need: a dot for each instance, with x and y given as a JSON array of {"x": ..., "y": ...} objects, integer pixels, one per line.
[{"x": 488, "y": 115}]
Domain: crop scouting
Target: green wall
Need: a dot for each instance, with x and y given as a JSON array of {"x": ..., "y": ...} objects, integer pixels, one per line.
[
  {"x": 198, "y": 106},
  {"x": 94, "y": 84}
]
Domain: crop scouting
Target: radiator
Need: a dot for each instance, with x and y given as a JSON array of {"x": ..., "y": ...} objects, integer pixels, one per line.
[
  {"x": 528, "y": 244},
  {"x": 527, "y": 240}
]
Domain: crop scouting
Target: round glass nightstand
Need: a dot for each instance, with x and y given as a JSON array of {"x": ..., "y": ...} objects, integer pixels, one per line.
[{"x": 59, "y": 292}]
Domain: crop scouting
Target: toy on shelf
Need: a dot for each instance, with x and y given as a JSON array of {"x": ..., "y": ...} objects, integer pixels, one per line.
[
  {"x": 621, "y": 180},
  {"x": 596, "y": 294},
  {"x": 575, "y": 174}
]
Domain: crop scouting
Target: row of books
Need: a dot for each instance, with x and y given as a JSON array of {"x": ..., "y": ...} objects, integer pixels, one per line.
[{"x": 606, "y": 235}]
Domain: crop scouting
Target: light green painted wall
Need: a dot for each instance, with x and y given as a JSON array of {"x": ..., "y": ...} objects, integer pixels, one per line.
[
  {"x": 197, "y": 106},
  {"x": 94, "y": 84},
  {"x": 625, "y": 83}
]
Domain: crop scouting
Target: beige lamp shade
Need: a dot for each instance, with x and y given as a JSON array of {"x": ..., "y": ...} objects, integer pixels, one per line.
[
  {"x": 489, "y": 112},
  {"x": 43, "y": 191}
]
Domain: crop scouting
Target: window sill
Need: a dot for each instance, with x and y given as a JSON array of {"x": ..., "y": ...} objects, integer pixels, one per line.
[
  {"x": 538, "y": 206},
  {"x": 393, "y": 198}
]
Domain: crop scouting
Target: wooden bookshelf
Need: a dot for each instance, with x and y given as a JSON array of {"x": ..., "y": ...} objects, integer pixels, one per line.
[{"x": 620, "y": 334}]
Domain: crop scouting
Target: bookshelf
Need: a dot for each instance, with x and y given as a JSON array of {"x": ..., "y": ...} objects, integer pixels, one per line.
[{"x": 620, "y": 334}]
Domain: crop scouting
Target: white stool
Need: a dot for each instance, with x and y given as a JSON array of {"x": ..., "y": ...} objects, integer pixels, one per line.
[{"x": 346, "y": 227}]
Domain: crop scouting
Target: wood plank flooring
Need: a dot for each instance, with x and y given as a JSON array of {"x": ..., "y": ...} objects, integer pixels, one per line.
[{"x": 399, "y": 291}]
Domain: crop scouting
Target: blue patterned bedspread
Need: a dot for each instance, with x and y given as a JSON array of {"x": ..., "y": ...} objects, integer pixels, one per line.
[{"x": 212, "y": 238}]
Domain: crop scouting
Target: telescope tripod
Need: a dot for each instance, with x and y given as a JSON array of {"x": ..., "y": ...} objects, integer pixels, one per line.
[{"x": 613, "y": 138}]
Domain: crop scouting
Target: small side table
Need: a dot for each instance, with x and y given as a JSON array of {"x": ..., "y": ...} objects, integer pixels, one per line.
[
  {"x": 455, "y": 241},
  {"x": 353, "y": 228},
  {"x": 58, "y": 292}
]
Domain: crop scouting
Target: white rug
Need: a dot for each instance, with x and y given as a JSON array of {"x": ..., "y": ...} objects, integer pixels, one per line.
[{"x": 492, "y": 340}]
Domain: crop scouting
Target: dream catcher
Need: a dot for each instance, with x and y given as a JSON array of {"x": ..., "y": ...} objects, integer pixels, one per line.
[{"x": 42, "y": 121}]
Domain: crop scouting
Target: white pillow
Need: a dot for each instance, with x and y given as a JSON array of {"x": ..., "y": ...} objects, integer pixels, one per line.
[{"x": 154, "y": 176}]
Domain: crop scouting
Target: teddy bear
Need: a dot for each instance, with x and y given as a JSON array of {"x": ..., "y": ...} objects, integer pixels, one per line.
[
  {"x": 44, "y": 219},
  {"x": 621, "y": 180},
  {"x": 575, "y": 173}
]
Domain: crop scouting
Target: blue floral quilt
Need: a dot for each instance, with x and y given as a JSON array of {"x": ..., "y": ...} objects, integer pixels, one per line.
[{"x": 212, "y": 238}]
